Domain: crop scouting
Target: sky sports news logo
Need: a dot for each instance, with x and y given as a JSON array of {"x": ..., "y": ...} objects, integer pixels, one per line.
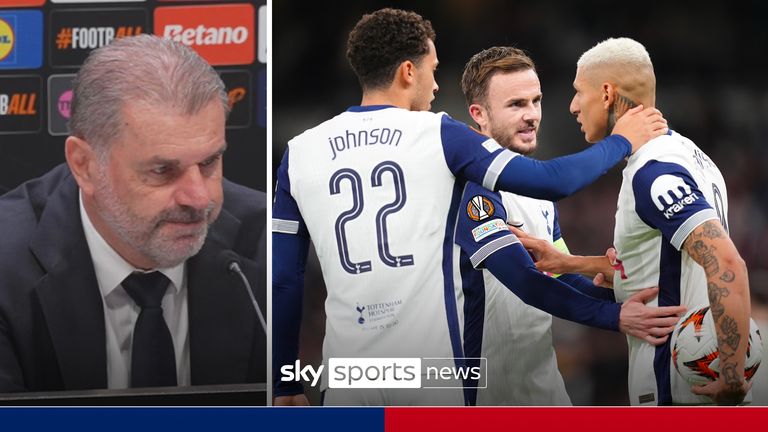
[
  {"x": 76, "y": 32},
  {"x": 221, "y": 34},
  {"x": 435, "y": 373}
]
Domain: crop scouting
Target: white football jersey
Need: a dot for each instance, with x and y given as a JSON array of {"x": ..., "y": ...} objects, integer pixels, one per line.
[
  {"x": 372, "y": 187},
  {"x": 517, "y": 338},
  {"x": 669, "y": 188}
]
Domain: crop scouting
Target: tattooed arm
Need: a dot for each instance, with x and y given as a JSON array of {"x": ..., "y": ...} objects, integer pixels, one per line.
[{"x": 728, "y": 289}]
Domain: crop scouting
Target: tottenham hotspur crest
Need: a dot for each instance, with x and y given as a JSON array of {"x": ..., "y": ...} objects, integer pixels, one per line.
[{"x": 479, "y": 208}]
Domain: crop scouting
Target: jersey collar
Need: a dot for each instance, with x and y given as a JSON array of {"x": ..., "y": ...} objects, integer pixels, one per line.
[{"x": 368, "y": 108}]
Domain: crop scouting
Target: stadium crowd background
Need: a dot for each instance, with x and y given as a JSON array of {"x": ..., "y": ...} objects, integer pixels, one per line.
[{"x": 710, "y": 65}]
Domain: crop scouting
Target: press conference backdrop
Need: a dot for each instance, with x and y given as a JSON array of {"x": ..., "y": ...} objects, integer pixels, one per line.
[{"x": 44, "y": 42}]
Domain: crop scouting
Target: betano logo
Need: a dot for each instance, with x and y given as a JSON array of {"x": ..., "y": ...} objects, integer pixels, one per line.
[
  {"x": 7, "y": 39},
  {"x": 202, "y": 35},
  {"x": 222, "y": 34},
  {"x": 18, "y": 104}
]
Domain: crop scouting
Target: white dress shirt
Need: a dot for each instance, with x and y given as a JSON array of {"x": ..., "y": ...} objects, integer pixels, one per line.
[{"x": 121, "y": 312}]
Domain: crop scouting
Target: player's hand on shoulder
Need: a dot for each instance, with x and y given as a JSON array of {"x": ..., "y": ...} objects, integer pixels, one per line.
[
  {"x": 651, "y": 324},
  {"x": 294, "y": 400},
  {"x": 639, "y": 125},
  {"x": 722, "y": 393}
]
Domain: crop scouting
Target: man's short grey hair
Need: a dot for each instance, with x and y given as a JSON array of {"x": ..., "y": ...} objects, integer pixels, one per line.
[
  {"x": 615, "y": 51},
  {"x": 142, "y": 68}
]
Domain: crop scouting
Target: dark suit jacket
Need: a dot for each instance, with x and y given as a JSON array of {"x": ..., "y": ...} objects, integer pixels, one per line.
[{"x": 52, "y": 331}]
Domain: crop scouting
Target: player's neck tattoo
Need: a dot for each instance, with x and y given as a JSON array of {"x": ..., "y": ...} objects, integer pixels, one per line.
[{"x": 622, "y": 103}]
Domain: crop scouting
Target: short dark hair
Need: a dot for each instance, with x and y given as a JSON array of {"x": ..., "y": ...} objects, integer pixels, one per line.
[
  {"x": 485, "y": 64},
  {"x": 382, "y": 40}
]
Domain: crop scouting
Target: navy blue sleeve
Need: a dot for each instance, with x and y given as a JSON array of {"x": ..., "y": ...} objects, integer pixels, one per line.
[
  {"x": 480, "y": 159},
  {"x": 585, "y": 286},
  {"x": 480, "y": 227},
  {"x": 289, "y": 258},
  {"x": 513, "y": 267},
  {"x": 471, "y": 155},
  {"x": 667, "y": 198},
  {"x": 286, "y": 217},
  {"x": 290, "y": 246},
  {"x": 556, "y": 234},
  {"x": 561, "y": 177}
]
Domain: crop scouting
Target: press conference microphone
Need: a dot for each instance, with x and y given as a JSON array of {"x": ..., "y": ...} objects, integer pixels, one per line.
[{"x": 232, "y": 262}]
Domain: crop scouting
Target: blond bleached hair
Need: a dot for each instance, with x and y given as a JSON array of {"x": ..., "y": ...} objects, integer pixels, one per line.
[
  {"x": 616, "y": 51},
  {"x": 625, "y": 63}
]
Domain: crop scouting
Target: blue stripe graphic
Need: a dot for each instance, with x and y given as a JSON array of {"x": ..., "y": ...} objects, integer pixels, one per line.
[{"x": 192, "y": 419}]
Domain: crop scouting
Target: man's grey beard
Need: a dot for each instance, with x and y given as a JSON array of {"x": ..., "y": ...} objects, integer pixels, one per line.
[{"x": 144, "y": 235}]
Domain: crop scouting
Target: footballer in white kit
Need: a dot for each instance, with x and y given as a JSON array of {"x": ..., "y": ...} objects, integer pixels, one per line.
[
  {"x": 375, "y": 189},
  {"x": 517, "y": 338},
  {"x": 512, "y": 329},
  {"x": 504, "y": 98},
  {"x": 368, "y": 226},
  {"x": 669, "y": 188}
]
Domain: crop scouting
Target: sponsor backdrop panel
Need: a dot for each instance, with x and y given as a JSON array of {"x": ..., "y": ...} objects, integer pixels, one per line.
[
  {"x": 20, "y": 104},
  {"x": 43, "y": 43},
  {"x": 21, "y": 39}
]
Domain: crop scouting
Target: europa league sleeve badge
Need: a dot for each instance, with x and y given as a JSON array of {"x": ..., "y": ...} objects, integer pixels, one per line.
[{"x": 479, "y": 208}]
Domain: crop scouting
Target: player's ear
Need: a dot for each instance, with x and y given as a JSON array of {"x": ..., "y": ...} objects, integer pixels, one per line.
[
  {"x": 406, "y": 73},
  {"x": 82, "y": 162},
  {"x": 608, "y": 94},
  {"x": 479, "y": 115}
]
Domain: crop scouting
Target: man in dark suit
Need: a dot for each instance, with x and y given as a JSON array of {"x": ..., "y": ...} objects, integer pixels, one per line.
[{"x": 115, "y": 268}]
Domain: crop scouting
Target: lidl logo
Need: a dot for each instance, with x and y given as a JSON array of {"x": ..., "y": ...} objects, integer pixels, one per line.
[
  {"x": 221, "y": 34},
  {"x": 75, "y": 33},
  {"x": 7, "y": 39},
  {"x": 21, "y": 39},
  {"x": 20, "y": 104}
]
